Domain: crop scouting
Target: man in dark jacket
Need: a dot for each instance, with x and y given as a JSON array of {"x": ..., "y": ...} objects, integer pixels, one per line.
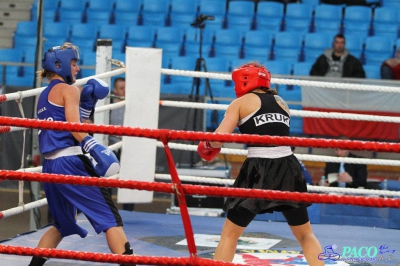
[
  {"x": 338, "y": 62},
  {"x": 348, "y": 174}
]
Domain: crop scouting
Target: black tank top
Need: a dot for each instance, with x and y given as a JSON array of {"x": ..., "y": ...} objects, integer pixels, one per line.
[{"x": 270, "y": 119}]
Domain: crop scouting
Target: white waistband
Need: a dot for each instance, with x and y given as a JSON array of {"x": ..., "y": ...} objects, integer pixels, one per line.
[
  {"x": 74, "y": 150},
  {"x": 269, "y": 152}
]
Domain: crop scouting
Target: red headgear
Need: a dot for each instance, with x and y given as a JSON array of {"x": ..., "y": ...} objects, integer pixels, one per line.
[{"x": 250, "y": 76}]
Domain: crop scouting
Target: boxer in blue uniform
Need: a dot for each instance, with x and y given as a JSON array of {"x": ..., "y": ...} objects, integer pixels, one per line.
[
  {"x": 63, "y": 153},
  {"x": 259, "y": 110}
]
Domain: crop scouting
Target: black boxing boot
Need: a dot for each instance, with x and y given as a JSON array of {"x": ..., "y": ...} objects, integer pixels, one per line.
[
  {"x": 37, "y": 261},
  {"x": 128, "y": 251}
]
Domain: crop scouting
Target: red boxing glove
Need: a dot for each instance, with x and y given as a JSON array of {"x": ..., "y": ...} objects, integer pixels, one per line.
[{"x": 207, "y": 152}]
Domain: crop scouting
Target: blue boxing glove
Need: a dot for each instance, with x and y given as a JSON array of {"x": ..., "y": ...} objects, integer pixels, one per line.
[
  {"x": 107, "y": 162},
  {"x": 95, "y": 89}
]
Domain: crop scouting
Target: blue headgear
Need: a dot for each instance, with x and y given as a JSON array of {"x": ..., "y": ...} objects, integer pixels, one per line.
[{"x": 58, "y": 60}]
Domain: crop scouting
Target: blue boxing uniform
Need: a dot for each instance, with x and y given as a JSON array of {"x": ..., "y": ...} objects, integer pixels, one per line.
[{"x": 63, "y": 155}]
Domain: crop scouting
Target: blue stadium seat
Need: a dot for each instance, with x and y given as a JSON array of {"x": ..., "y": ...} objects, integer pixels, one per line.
[
  {"x": 217, "y": 64},
  {"x": 170, "y": 49},
  {"x": 217, "y": 24},
  {"x": 391, "y": 3},
  {"x": 71, "y": 16},
  {"x": 182, "y": 20},
  {"x": 84, "y": 31},
  {"x": 259, "y": 38},
  {"x": 72, "y": 5},
  {"x": 241, "y": 14},
  {"x": 155, "y": 12},
  {"x": 313, "y": 3},
  {"x": 57, "y": 29},
  {"x": 355, "y": 45},
  {"x": 20, "y": 76},
  {"x": 357, "y": 20},
  {"x": 87, "y": 72},
  {"x": 229, "y": 51},
  {"x": 212, "y": 8},
  {"x": 192, "y": 40},
  {"x": 386, "y": 22},
  {"x": 170, "y": 39},
  {"x": 269, "y": 16},
  {"x": 279, "y": 67},
  {"x": 327, "y": 26},
  {"x": 26, "y": 28},
  {"x": 315, "y": 44},
  {"x": 142, "y": 36},
  {"x": 288, "y": 46},
  {"x": 85, "y": 44},
  {"x": 88, "y": 58},
  {"x": 183, "y": 63},
  {"x": 100, "y": 17},
  {"x": 54, "y": 41},
  {"x": 237, "y": 62},
  {"x": 126, "y": 18},
  {"x": 124, "y": 6},
  {"x": 28, "y": 54},
  {"x": 178, "y": 7},
  {"x": 372, "y": 71},
  {"x": 217, "y": 9},
  {"x": 258, "y": 45},
  {"x": 102, "y": 5},
  {"x": 302, "y": 68},
  {"x": 118, "y": 46},
  {"x": 11, "y": 55},
  {"x": 257, "y": 53},
  {"x": 183, "y": 13},
  {"x": 397, "y": 44},
  {"x": 113, "y": 31},
  {"x": 298, "y": 17},
  {"x": 328, "y": 18},
  {"x": 227, "y": 42},
  {"x": 170, "y": 35},
  {"x": 378, "y": 49},
  {"x": 24, "y": 41},
  {"x": 328, "y": 12},
  {"x": 228, "y": 37}
]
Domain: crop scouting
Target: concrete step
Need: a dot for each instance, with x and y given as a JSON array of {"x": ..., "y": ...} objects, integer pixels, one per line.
[
  {"x": 16, "y": 5},
  {"x": 15, "y": 14},
  {"x": 6, "y": 42},
  {"x": 8, "y": 23}
]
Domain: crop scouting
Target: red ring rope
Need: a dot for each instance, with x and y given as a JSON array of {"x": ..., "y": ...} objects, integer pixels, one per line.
[
  {"x": 203, "y": 190},
  {"x": 197, "y": 136},
  {"x": 110, "y": 258}
]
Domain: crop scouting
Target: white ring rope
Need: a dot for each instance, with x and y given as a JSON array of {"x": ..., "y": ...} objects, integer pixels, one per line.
[
  {"x": 301, "y": 113},
  {"x": 26, "y": 207},
  {"x": 310, "y": 188},
  {"x": 321, "y": 84},
  {"x": 34, "y": 92},
  {"x": 301, "y": 157}
]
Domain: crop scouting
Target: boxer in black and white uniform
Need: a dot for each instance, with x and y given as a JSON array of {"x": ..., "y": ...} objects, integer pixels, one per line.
[{"x": 260, "y": 111}]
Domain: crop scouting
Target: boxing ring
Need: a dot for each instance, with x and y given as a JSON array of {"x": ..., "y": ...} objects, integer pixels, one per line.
[{"x": 161, "y": 239}]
